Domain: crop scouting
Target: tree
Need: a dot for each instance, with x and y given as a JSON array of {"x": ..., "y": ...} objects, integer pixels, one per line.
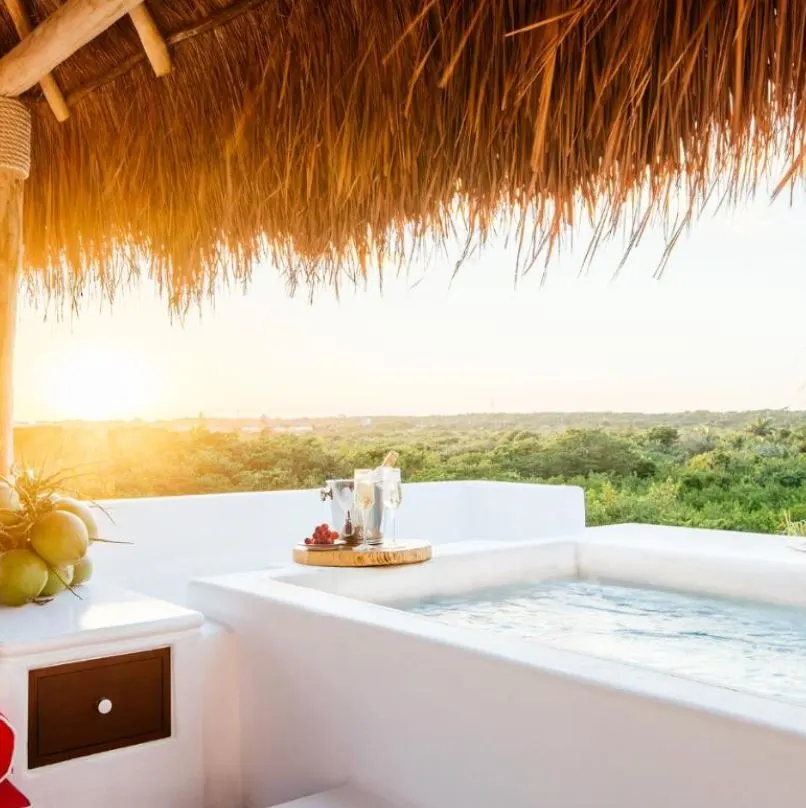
[
  {"x": 579, "y": 452},
  {"x": 761, "y": 427},
  {"x": 666, "y": 436}
]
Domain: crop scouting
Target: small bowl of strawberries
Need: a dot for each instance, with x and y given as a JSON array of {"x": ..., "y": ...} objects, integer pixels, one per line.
[{"x": 322, "y": 538}]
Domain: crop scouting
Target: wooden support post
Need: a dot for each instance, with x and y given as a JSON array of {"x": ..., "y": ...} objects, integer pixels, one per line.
[
  {"x": 53, "y": 95},
  {"x": 10, "y": 238},
  {"x": 153, "y": 44},
  {"x": 15, "y": 165},
  {"x": 57, "y": 38}
]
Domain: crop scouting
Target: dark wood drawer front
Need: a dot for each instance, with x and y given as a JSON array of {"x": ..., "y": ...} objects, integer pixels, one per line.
[{"x": 101, "y": 704}]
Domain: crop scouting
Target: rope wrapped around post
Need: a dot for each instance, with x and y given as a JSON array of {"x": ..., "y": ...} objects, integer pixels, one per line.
[{"x": 15, "y": 138}]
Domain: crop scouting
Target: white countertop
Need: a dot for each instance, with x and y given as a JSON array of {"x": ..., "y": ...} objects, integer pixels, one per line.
[{"x": 102, "y": 614}]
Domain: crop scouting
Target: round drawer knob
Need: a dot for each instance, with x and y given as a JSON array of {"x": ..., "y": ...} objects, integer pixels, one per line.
[{"x": 104, "y": 706}]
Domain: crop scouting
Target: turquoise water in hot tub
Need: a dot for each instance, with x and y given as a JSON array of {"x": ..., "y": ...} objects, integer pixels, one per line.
[{"x": 751, "y": 647}]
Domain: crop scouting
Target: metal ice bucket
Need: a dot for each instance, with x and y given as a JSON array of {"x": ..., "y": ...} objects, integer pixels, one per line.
[{"x": 340, "y": 494}]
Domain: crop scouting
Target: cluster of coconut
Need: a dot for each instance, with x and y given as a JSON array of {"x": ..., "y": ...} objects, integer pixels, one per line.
[{"x": 44, "y": 544}]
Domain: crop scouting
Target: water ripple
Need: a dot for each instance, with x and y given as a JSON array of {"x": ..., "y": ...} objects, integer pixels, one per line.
[{"x": 744, "y": 646}]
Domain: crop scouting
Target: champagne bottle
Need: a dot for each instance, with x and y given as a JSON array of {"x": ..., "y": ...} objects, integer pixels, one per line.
[{"x": 388, "y": 462}]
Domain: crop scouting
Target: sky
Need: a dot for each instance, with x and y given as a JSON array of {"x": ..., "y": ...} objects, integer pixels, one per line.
[{"x": 722, "y": 329}]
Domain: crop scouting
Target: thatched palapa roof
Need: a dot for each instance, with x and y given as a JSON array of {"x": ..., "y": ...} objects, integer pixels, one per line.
[{"x": 315, "y": 129}]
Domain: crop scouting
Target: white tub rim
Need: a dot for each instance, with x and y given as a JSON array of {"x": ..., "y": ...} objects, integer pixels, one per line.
[{"x": 291, "y": 586}]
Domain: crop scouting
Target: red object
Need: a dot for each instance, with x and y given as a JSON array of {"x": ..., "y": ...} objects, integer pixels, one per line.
[{"x": 10, "y": 797}]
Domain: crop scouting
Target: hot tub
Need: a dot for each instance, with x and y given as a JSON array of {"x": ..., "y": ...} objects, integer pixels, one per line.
[
  {"x": 343, "y": 677},
  {"x": 743, "y": 645}
]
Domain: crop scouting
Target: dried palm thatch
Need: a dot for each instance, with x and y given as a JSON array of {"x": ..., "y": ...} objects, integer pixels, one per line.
[{"x": 329, "y": 135}]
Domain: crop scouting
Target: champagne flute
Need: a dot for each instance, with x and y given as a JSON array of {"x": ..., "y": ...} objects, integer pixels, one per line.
[
  {"x": 392, "y": 496},
  {"x": 364, "y": 492}
]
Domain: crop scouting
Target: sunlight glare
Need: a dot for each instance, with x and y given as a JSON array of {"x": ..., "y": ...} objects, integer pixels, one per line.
[{"x": 93, "y": 384}]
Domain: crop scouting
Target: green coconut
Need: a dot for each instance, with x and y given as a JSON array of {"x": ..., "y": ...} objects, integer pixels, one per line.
[
  {"x": 82, "y": 571},
  {"x": 82, "y": 511},
  {"x": 58, "y": 581},
  {"x": 60, "y": 538},
  {"x": 23, "y": 576}
]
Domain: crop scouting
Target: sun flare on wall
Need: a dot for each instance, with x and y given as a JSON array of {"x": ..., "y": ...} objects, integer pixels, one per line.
[{"x": 93, "y": 384}]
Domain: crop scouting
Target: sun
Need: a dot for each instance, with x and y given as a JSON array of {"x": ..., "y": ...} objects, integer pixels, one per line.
[{"x": 96, "y": 384}]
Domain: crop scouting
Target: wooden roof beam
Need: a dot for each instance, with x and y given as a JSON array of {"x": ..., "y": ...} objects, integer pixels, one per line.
[
  {"x": 205, "y": 26},
  {"x": 57, "y": 38},
  {"x": 153, "y": 44},
  {"x": 50, "y": 89}
]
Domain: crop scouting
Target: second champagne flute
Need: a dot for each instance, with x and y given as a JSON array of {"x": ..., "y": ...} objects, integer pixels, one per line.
[
  {"x": 392, "y": 496},
  {"x": 364, "y": 491}
]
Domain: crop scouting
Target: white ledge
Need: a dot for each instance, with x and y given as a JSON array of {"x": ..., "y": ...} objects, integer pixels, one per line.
[{"x": 101, "y": 614}]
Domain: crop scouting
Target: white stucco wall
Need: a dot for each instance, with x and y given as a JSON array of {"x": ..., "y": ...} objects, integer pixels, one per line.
[{"x": 177, "y": 539}]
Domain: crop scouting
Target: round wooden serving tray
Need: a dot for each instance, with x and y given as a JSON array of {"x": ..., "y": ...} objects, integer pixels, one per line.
[{"x": 404, "y": 552}]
